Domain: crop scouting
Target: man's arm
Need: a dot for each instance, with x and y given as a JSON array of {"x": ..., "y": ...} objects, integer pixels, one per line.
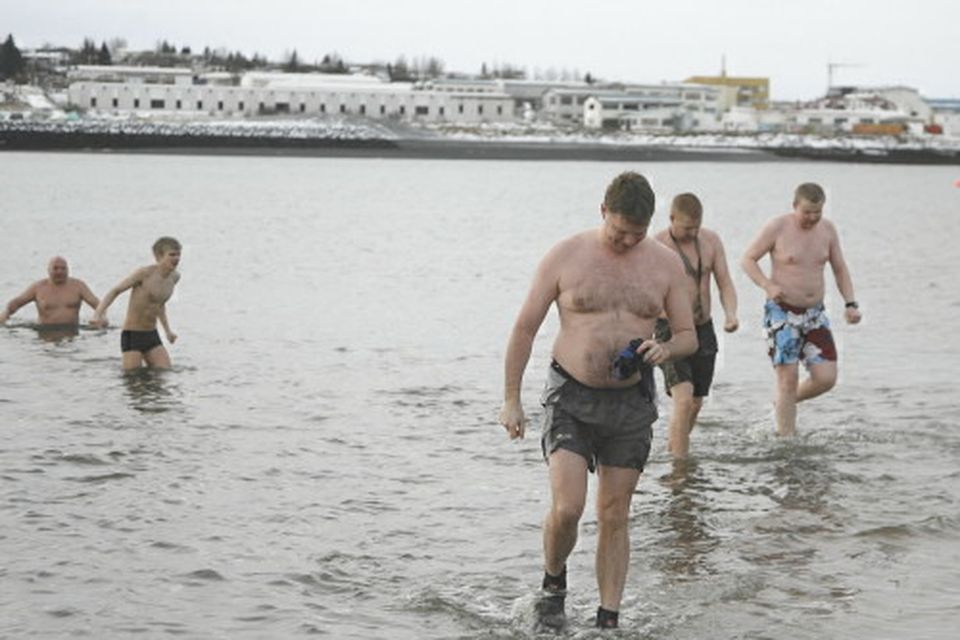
[
  {"x": 162, "y": 317},
  {"x": 26, "y": 297},
  {"x": 841, "y": 274},
  {"x": 676, "y": 304},
  {"x": 132, "y": 280},
  {"x": 728, "y": 293},
  {"x": 88, "y": 296},
  {"x": 542, "y": 294},
  {"x": 750, "y": 262}
]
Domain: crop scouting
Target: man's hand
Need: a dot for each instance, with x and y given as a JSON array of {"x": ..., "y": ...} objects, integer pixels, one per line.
[
  {"x": 853, "y": 315},
  {"x": 654, "y": 352},
  {"x": 513, "y": 420},
  {"x": 98, "y": 322},
  {"x": 731, "y": 324},
  {"x": 171, "y": 336},
  {"x": 774, "y": 292}
]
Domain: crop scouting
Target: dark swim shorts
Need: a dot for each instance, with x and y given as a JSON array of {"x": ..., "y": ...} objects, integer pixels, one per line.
[
  {"x": 610, "y": 427},
  {"x": 697, "y": 368},
  {"x": 142, "y": 341}
]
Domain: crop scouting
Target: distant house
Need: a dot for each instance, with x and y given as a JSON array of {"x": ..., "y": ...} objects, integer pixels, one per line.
[{"x": 660, "y": 108}]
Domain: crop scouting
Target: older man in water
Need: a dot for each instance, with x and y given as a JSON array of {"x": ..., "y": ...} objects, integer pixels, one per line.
[{"x": 58, "y": 298}]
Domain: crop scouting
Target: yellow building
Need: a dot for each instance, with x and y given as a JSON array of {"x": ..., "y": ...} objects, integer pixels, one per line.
[{"x": 738, "y": 91}]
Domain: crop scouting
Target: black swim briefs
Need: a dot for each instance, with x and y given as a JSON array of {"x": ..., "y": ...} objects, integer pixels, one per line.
[{"x": 142, "y": 341}]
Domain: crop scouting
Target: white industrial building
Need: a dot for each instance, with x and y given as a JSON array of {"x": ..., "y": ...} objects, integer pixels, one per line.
[
  {"x": 164, "y": 91},
  {"x": 655, "y": 108}
]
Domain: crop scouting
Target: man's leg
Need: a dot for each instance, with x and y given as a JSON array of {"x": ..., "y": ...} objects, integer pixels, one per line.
[
  {"x": 568, "y": 489},
  {"x": 786, "y": 403},
  {"x": 132, "y": 360},
  {"x": 614, "y": 492},
  {"x": 157, "y": 358},
  {"x": 681, "y": 420},
  {"x": 823, "y": 375},
  {"x": 697, "y": 406}
]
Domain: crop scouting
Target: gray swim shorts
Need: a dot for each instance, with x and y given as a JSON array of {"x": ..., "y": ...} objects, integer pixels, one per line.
[{"x": 610, "y": 427}]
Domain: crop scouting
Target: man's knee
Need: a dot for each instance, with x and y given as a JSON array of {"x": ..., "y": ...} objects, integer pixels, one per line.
[
  {"x": 787, "y": 378},
  {"x": 566, "y": 512},
  {"x": 613, "y": 515}
]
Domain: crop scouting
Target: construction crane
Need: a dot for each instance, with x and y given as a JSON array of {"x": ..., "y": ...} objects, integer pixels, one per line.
[{"x": 832, "y": 66}]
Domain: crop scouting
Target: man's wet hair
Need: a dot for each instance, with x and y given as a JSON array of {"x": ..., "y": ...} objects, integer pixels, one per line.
[
  {"x": 688, "y": 205},
  {"x": 631, "y": 195},
  {"x": 164, "y": 244},
  {"x": 811, "y": 192}
]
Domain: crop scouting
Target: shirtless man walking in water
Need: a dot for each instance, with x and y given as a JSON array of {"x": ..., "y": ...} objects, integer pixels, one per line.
[
  {"x": 58, "y": 298},
  {"x": 610, "y": 284},
  {"x": 151, "y": 287},
  {"x": 800, "y": 245},
  {"x": 688, "y": 380}
]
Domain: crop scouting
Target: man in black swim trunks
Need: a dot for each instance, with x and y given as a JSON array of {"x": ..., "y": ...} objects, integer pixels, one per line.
[
  {"x": 151, "y": 287},
  {"x": 688, "y": 380},
  {"x": 610, "y": 284}
]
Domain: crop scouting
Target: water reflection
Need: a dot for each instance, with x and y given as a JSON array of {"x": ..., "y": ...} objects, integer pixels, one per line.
[
  {"x": 690, "y": 538},
  {"x": 152, "y": 390},
  {"x": 56, "y": 332}
]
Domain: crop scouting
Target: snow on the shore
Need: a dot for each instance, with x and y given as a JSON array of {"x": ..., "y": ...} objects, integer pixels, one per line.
[
  {"x": 336, "y": 128},
  {"x": 321, "y": 129},
  {"x": 706, "y": 141}
]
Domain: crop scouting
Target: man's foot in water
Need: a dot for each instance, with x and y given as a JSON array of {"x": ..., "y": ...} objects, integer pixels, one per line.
[{"x": 550, "y": 605}]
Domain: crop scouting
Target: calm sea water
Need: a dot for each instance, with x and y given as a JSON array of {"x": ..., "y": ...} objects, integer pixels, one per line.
[{"x": 324, "y": 458}]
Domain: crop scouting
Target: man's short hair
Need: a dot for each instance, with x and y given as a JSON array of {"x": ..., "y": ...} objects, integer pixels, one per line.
[
  {"x": 164, "y": 244},
  {"x": 811, "y": 192},
  {"x": 687, "y": 205},
  {"x": 630, "y": 195}
]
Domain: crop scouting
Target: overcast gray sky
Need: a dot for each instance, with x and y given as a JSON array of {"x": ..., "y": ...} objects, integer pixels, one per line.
[{"x": 912, "y": 43}]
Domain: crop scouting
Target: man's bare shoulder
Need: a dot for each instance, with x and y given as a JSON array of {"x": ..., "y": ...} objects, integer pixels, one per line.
[
  {"x": 572, "y": 244},
  {"x": 662, "y": 236},
  {"x": 665, "y": 256},
  {"x": 77, "y": 283}
]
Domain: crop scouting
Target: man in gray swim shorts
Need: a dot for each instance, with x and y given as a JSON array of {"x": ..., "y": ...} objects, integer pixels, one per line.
[
  {"x": 610, "y": 427},
  {"x": 609, "y": 284}
]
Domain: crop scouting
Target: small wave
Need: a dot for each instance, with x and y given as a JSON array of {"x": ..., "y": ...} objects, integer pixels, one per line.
[
  {"x": 103, "y": 478},
  {"x": 83, "y": 459},
  {"x": 206, "y": 574}
]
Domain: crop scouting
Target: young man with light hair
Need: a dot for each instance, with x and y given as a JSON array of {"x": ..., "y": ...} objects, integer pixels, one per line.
[
  {"x": 800, "y": 245},
  {"x": 151, "y": 287}
]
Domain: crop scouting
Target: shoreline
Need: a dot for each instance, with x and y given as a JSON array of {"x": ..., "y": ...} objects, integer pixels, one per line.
[{"x": 301, "y": 139}]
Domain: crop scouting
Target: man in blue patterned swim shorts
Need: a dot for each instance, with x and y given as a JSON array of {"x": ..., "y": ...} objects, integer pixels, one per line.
[{"x": 800, "y": 244}]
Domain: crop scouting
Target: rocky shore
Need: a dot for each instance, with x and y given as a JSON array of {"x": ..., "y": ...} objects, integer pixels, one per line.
[{"x": 335, "y": 137}]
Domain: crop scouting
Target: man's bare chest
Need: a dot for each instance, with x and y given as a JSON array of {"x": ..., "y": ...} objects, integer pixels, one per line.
[{"x": 604, "y": 289}]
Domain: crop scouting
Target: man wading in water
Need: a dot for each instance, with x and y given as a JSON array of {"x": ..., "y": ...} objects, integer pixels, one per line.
[{"x": 610, "y": 284}]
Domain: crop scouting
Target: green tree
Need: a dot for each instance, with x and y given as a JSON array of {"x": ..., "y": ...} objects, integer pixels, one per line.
[
  {"x": 11, "y": 61},
  {"x": 103, "y": 56},
  {"x": 292, "y": 64}
]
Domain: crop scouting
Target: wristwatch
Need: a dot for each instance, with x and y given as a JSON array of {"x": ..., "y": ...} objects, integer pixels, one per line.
[{"x": 852, "y": 305}]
